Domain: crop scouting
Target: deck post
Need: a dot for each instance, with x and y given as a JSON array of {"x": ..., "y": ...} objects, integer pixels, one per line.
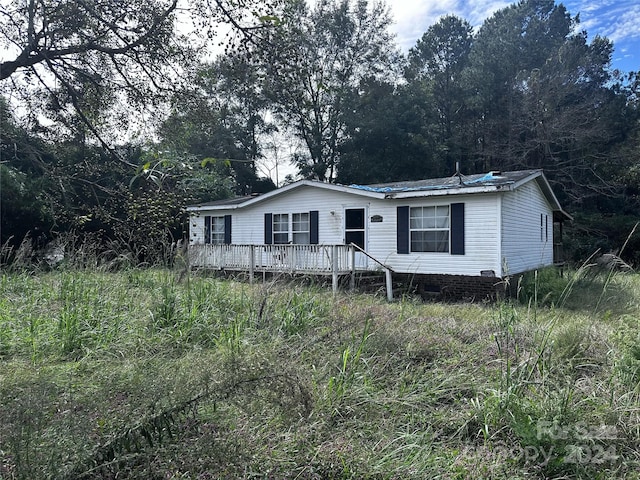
[
  {"x": 389, "y": 285},
  {"x": 293, "y": 259},
  {"x": 334, "y": 268},
  {"x": 352, "y": 280},
  {"x": 252, "y": 263}
]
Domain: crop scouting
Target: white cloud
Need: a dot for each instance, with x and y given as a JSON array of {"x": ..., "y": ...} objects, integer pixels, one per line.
[
  {"x": 624, "y": 26},
  {"x": 615, "y": 19},
  {"x": 477, "y": 11},
  {"x": 412, "y": 19},
  {"x": 618, "y": 20}
]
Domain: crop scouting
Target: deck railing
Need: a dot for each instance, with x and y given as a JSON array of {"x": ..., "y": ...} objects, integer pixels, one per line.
[
  {"x": 334, "y": 260},
  {"x": 290, "y": 258}
]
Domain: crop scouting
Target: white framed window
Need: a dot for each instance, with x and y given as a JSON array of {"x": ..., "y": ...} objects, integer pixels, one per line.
[
  {"x": 300, "y": 227},
  {"x": 280, "y": 228},
  {"x": 295, "y": 226},
  {"x": 429, "y": 228},
  {"x": 214, "y": 229},
  {"x": 217, "y": 229}
]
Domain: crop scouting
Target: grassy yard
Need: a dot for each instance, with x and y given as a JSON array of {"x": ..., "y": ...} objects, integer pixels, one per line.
[{"x": 145, "y": 374}]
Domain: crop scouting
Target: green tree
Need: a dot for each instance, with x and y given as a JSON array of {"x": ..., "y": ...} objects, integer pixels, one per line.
[
  {"x": 222, "y": 117},
  {"x": 85, "y": 74},
  {"x": 153, "y": 214},
  {"x": 317, "y": 58},
  {"x": 24, "y": 206},
  {"x": 387, "y": 135},
  {"x": 567, "y": 118},
  {"x": 435, "y": 65},
  {"x": 508, "y": 47},
  {"x": 541, "y": 96}
]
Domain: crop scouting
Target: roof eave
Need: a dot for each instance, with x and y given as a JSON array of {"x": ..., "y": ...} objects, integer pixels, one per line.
[
  {"x": 199, "y": 208},
  {"x": 545, "y": 186},
  {"x": 285, "y": 189}
]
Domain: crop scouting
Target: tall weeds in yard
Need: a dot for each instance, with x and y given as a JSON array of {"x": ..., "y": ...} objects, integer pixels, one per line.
[
  {"x": 72, "y": 315},
  {"x": 150, "y": 374},
  {"x": 166, "y": 312},
  {"x": 230, "y": 337},
  {"x": 349, "y": 371},
  {"x": 302, "y": 310},
  {"x": 540, "y": 399},
  {"x": 17, "y": 259},
  {"x": 611, "y": 271}
]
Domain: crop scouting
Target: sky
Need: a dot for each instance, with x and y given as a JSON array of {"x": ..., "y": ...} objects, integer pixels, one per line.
[{"x": 618, "y": 20}]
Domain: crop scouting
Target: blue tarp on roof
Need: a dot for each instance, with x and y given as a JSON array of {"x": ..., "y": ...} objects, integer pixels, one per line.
[
  {"x": 444, "y": 183},
  {"x": 485, "y": 178},
  {"x": 399, "y": 189},
  {"x": 367, "y": 188}
]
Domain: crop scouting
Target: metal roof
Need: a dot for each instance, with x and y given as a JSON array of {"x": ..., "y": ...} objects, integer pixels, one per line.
[
  {"x": 456, "y": 182},
  {"x": 493, "y": 181}
]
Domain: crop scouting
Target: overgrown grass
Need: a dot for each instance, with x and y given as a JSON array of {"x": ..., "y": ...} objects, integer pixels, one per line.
[{"x": 153, "y": 374}]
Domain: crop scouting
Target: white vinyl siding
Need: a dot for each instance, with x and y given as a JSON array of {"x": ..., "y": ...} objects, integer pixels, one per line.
[
  {"x": 480, "y": 237},
  {"x": 501, "y": 228},
  {"x": 248, "y": 227},
  {"x": 527, "y": 230}
]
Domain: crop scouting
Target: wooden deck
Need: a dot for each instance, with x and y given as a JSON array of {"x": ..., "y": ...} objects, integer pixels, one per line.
[{"x": 294, "y": 259}]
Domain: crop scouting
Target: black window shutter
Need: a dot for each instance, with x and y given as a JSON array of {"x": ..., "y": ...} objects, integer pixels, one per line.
[
  {"x": 268, "y": 228},
  {"x": 207, "y": 229},
  {"x": 227, "y": 229},
  {"x": 457, "y": 229},
  {"x": 403, "y": 230},
  {"x": 313, "y": 227}
]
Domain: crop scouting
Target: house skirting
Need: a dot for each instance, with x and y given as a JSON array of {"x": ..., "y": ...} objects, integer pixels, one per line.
[{"x": 458, "y": 287}]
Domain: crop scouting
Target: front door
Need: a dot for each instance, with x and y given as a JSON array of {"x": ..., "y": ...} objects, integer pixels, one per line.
[{"x": 355, "y": 232}]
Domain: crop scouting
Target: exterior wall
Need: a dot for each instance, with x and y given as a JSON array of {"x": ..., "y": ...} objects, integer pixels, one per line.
[
  {"x": 526, "y": 245},
  {"x": 196, "y": 227},
  {"x": 248, "y": 222},
  {"x": 481, "y": 237},
  {"x": 481, "y": 228}
]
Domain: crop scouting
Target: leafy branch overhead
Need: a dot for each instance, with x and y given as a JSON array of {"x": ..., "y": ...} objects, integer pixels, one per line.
[
  {"x": 86, "y": 56},
  {"x": 58, "y": 32}
]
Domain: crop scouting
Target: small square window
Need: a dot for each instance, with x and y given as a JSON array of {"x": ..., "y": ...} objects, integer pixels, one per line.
[{"x": 429, "y": 229}]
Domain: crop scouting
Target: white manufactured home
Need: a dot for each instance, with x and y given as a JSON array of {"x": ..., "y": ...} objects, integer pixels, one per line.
[{"x": 452, "y": 233}]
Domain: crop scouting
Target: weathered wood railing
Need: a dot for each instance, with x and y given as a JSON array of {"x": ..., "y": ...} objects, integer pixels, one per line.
[
  {"x": 334, "y": 260},
  {"x": 387, "y": 270},
  {"x": 315, "y": 259}
]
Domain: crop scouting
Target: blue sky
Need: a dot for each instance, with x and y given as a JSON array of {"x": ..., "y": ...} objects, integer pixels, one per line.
[{"x": 618, "y": 20}]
